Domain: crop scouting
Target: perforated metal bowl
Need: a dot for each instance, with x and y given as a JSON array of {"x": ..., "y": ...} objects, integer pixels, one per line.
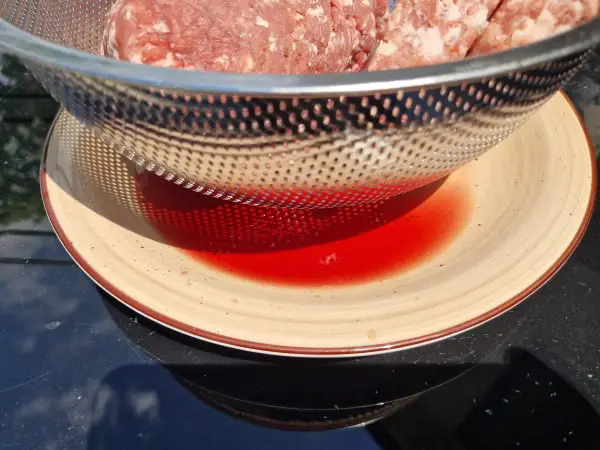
[{"x": 296, "y": 141}]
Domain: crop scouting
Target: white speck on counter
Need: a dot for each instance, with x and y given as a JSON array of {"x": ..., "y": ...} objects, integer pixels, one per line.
[
  {"x": 144, "y": 404},
  {"x": 53, "y": 325},
  {"x": 489, "y": 412}
]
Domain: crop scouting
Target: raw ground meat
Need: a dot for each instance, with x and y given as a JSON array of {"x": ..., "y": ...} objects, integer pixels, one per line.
[
  {"x": 226, "y": 35},
  {"x": 259, "y": 36},
  {"x": 522, "y": 22},
  {"x": 324, "y": 36},
  {"x": 357, "y": 26},
  {"x": 422, "y": 32}
]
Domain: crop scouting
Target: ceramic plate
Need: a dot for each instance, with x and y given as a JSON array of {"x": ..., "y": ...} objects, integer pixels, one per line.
[{"x": 395, "y": 274}]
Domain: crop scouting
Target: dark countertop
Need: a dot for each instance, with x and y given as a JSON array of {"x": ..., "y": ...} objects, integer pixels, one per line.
[{"x": 80, "y": 372}]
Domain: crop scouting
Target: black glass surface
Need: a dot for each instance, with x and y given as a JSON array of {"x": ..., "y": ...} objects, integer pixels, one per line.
[{"x": 79, "y": 371}]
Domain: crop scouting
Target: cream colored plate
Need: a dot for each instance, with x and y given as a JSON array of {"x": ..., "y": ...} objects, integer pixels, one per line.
[{"x": 532, "y": 198}]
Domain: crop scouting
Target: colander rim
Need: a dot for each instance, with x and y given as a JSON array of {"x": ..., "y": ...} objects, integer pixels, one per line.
[{"x": 40, "y": 51}]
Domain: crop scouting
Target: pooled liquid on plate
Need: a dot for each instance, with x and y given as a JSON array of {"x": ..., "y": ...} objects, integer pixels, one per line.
[{"x": 316, "y": 247}]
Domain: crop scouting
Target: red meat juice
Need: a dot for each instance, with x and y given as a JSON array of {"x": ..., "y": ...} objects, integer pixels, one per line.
[{"x": 313, "y": 247}]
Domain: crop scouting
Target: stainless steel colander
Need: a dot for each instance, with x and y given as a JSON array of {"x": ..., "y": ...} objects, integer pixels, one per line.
[{"x": 295, "y": 141}]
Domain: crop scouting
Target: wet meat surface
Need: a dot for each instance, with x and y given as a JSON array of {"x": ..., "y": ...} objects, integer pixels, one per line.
[
  {"x": 260, "y": 36},
  {"x": 323, "y": 36}
]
